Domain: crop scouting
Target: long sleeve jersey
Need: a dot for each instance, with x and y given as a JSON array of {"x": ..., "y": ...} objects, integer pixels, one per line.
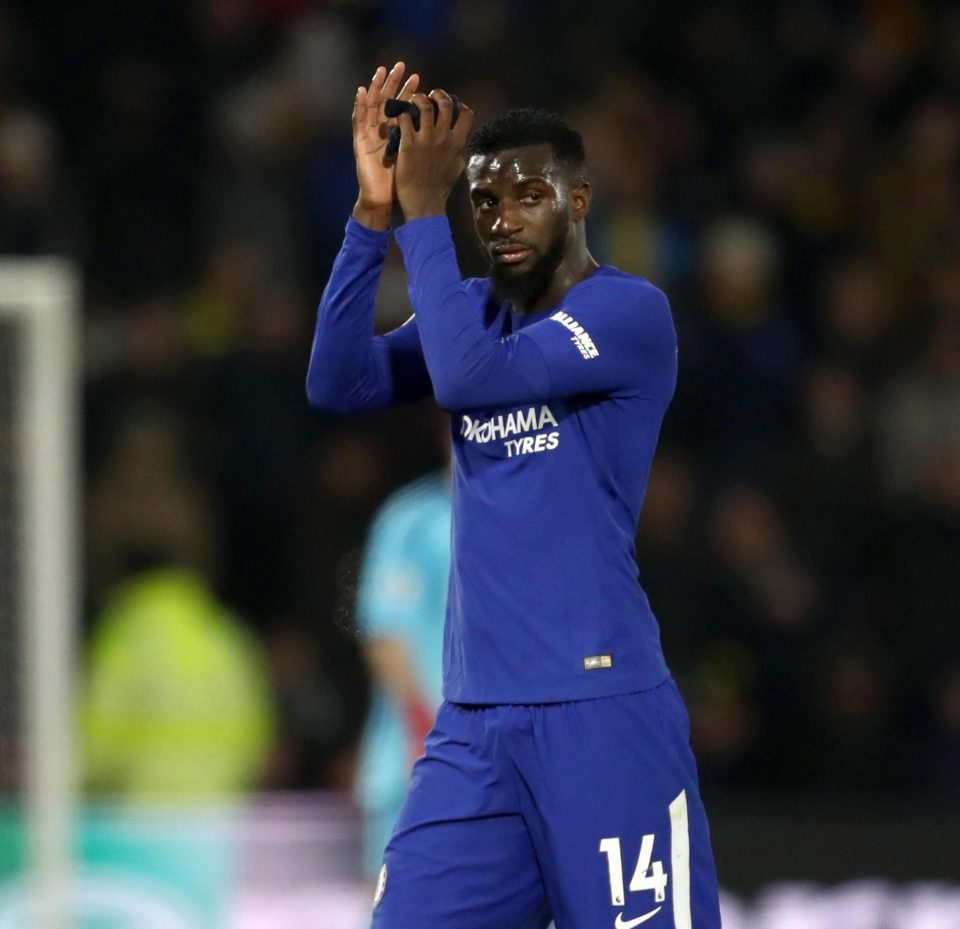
[{"x": 554, "y": 417}]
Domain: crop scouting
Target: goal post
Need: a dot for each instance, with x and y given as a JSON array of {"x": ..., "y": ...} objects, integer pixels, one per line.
[{"x": 39, "y": 558}]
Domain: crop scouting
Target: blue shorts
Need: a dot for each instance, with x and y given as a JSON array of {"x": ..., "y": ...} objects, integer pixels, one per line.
[{"x": 587, "y": 812}]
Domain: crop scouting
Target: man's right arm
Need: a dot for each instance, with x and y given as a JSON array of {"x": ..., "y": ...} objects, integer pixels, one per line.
[{"x": 351, "y": 369}]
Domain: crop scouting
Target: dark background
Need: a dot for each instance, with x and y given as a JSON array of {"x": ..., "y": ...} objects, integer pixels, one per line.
[{"x": 788, "y": 172}]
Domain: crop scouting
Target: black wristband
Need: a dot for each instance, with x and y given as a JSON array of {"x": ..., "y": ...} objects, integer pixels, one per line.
[{"x": 394, "y": 107}]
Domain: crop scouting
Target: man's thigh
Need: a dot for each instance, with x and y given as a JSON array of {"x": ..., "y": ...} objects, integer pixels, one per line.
[
  {"x": 461, "y": 856},
  {"x": 611, "y": 800}
]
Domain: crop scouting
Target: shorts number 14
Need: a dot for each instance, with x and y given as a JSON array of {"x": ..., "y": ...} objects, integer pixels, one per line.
[{"x": 649, "y": 874}]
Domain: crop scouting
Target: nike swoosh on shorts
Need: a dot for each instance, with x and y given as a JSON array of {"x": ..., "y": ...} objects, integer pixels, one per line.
[{"x": 621, "y": 923}]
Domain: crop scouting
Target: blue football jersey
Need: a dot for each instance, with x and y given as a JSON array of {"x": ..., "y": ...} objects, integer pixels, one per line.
[{"x": 555, "y": 419}]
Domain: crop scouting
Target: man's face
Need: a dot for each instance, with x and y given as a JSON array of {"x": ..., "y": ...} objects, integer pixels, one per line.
[{"x": 521, "y": 210}]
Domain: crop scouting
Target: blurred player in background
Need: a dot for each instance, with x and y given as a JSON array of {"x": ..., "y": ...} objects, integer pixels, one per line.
[
  {"x": 558, "y": 779},
  {"x": 400, "y": 609}
]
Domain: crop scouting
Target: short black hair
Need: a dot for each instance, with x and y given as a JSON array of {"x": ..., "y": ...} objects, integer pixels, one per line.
[{"x": 530, "y": 126}]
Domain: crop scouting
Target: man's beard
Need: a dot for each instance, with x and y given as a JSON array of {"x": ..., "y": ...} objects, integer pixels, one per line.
[{"x": 523, "y": 290}]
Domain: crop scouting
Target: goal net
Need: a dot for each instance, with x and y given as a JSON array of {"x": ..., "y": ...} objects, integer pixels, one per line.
[{"x": 38, "y": 586}]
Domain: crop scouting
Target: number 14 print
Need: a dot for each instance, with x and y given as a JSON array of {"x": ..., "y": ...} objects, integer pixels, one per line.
[{"x": 649, "y": 875}]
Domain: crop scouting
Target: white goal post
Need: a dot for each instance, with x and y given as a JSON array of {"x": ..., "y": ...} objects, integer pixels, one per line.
[{"x": 39, "y": 300}]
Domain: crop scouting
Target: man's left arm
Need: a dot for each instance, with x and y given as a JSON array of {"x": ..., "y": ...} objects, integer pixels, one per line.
[
  {"x": 621, "y": 337},
  {"x": 612, "y": 335}
]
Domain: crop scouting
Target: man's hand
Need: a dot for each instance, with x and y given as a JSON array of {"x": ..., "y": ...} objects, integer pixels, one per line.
[
  {"x": 375, "y": 171},
  {"x": 431, "y": 160}
]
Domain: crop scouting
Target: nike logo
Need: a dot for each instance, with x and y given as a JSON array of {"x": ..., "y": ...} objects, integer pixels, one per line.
[{"x": 621, "y": 923}]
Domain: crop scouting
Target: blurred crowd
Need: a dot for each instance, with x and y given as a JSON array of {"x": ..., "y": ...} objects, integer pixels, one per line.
[{"x": 788, "y": 172}]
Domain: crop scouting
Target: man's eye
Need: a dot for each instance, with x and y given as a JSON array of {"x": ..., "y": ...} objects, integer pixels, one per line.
[
  {"x": 486, "y": 204},
  {"x": 531, "y": 197}
]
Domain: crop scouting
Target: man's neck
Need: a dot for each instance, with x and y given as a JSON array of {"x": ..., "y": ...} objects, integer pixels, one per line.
[{"x": 575, "y": 267}]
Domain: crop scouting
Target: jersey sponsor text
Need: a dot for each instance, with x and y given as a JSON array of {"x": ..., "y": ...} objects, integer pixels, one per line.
[
  {"x": 580, "y": 338},
  {"x": 503, "y": 425}
]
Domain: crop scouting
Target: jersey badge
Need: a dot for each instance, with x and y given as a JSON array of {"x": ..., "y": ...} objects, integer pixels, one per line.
[
  {"x": 596, "y": 662},
  {"x": 381, "y": 886}
]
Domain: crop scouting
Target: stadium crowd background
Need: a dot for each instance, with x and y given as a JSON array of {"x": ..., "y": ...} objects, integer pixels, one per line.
[{"x": 788, "y": 172}]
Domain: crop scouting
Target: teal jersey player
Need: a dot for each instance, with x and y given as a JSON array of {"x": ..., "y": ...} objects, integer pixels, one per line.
[{"x": 402, "y": 597}]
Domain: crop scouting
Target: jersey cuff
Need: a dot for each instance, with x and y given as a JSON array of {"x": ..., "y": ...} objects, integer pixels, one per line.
[{"x": 373, "y": 239}]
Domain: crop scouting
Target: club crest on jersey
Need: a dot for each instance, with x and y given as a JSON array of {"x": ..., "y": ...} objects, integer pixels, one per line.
[
  {"x": 381, "y": 885},
  {"x": 580, "y": 338}
]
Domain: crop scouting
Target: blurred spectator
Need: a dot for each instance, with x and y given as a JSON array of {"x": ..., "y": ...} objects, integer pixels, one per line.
[
  {"x": 826, "y": 475},
  {"x": 918, "y": 422},
  {"x": 259, "y": 433},
  {"x": 176, "y": 704},
  {"x": 765, "y": 603},
  {"x": 725, "y": 727},
  {"x": 38, "y": 211},
  {"x": 790, "y": 174},
  {"x": 344, "y": 481},
  {"x": 745, "y": 352},
  {"x": 140, "y": 366},
  {"x": 762, "y": 583},
  {"x": 921, "y": 555},
  {"x": 941, "y": 760},
  {"x": 859, "y": 321},
  {"x": 847, "y": 743},
  {"x": 318, "y": 709},
  {"x": 144, "y": 508},
  {"x": 670, "y": 569},
  {"x": 139, "y": 179},
  {"x": 344, "y": 485},
  {"x": 632, "y": 135},
  {"x": 215, "y": 311},
  {"x": 911, "y": 202},
  {"x": 264, "y": 126}
]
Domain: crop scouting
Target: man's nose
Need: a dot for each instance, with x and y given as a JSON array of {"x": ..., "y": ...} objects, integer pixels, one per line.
[{"x": 507, "y": 221}]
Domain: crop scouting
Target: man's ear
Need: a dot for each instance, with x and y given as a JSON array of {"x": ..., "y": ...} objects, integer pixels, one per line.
[{"x": 580, "y": 196}]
